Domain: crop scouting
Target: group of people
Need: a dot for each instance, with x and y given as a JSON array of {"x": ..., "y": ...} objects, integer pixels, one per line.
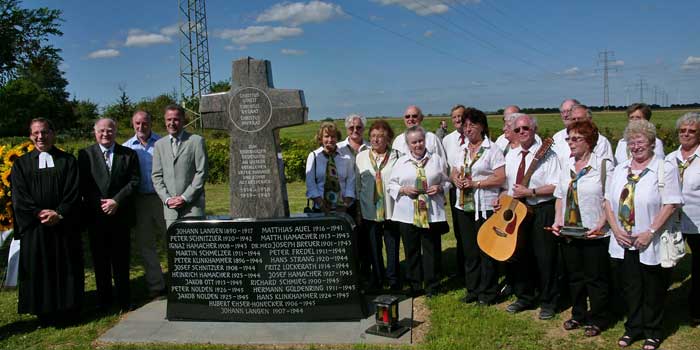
[
  {"x": 397, "y": 189},
  {"x": 143, "y": 185}
]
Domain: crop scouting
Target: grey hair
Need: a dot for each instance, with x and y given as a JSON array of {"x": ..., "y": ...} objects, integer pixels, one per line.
[
  {"x": 532, "y": 120},
  {"x": 145, "y": 113},
  {"x": 351, "y": 117},
  {"x": 512, "y": 116},
  {"x": 114, "y": 124},
  {"x": 412, "y": 130},
  {"x": 690, "y": 117},
  {"x": 640, "y": 127},
  {"x": 588, "y": 110},
  {"x": 575, "y": 101}
]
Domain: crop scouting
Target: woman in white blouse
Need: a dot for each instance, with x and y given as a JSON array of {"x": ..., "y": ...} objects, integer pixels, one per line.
[
  {"x": 374, "y": 167},
  {"x": 330, "y": 175},
  {"x": 478, "y": 172},
  {"x": 685, "y": 157},
  {"x": 418, "y": 184},
  {"x": 638, "y": 209},
  {"x": 579, "y": 193}
]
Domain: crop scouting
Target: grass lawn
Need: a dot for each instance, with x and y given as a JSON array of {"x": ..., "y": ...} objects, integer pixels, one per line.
[{"x": 454, "y": 325}]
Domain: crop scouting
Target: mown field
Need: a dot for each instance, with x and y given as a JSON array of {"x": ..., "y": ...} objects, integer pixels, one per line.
[{"x": 454, "y": 325}]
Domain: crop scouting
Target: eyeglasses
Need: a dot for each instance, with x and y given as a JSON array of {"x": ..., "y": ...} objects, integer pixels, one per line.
[
  {"x": 411, "y": 116},
  {"x": 637, "y": 144},
  {"x": 687, "y": 131},
  {"x": 523, "y": 128},
  {"x": 574, "y": 139},
  {"x": 355, "y": 128}
]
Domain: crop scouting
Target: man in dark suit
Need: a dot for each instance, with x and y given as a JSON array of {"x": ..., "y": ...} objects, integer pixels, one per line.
[
  {"x": 180, "y": 168},
  {"x": 109, "y": 175}
]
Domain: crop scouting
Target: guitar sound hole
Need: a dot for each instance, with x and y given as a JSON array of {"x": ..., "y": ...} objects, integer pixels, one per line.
[{"x": 508, "y": 215}]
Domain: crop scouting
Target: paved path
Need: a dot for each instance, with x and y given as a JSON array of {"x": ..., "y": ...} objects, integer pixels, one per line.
[{"x": 148, "y": 325}]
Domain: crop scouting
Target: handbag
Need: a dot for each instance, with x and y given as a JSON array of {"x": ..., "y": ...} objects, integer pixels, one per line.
[
  {"x": 672, "y": 247},
  {"x": 671, "y": 242}
]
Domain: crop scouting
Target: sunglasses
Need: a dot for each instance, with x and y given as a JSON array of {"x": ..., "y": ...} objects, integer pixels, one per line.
[
  {"x": 574, "y": 139},
  {"x": 687, "y": 130},
  {"x": 523, "y": 128},
  {"x": 355, "y": 127},
  {"x": 411, "y": 116}
]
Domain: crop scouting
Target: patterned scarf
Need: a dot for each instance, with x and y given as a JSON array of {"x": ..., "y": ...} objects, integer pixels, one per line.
[
  {"x": 422, "y": 201},
  {"x": 466, "y": 200},
  {"x": 378, "y": 184},
  {"x": 573, "y": 213},
  {"x": 626, "y": 210},
  {"x": 331, "y": 187},
  {"x": 684, "y": 165}
]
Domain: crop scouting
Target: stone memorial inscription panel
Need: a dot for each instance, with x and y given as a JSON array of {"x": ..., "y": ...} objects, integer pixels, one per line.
[{"x": 274, "y": 270}]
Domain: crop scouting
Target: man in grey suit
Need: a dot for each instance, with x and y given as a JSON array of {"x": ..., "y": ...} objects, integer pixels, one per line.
[{"x": 180, "y": 168}]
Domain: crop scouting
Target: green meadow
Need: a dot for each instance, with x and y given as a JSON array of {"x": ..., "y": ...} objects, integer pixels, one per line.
[{"x": 453, "y": 325}]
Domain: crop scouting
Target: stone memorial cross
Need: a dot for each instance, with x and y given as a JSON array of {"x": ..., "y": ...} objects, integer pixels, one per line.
[{"x": 252, "y": 111}]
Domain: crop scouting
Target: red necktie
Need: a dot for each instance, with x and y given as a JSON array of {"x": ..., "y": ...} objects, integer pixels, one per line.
[
  {"x": 521, "y": 168},
  {"x": 461, "y": 140}
]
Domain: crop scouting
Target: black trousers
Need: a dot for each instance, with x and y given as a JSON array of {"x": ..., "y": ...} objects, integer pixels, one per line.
[
  {"x": 588, "y": 266},
  {"x": 423, "y": 256},
  {"x": 109, "y": 246},
  {"x": 480, "y": 270},
  {"x": 363, "y": 256},
  {"x": 644, "y": 289},
  {"x": 386, "y": 231},
  {"x": 693, "y": 241},
  {"x": 457, "y": 232},
  {"x": 536, "y": 259}
]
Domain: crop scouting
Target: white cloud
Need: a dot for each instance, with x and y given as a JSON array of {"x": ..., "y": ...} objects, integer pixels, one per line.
[
  {"x": 425, "y": 7},
  {"x": 293, "y": 52},
  {"x": 170, "y": 30},
  {"x": 691, "y": 63},
  {"x": 617, "y": 63},
  {"x": 258, "y": 34},
  {"x": 297, "y": 13},
  {"x": 235, "y": 48},
  {"x": 138, "y": 37},
  {"x": 571, "y": 71},
  {"x": 428, "y": 33},
  {"x": 104, "y": 53}
]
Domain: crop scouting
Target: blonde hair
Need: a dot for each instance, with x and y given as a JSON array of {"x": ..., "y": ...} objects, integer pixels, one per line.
[{"x": 330, "y": 128}]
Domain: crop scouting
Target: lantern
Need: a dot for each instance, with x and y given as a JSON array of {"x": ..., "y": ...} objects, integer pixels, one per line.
[{"x": 386, "y": 317}]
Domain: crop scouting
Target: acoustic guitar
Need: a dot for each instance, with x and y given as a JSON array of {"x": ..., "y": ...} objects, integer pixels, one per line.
[{"x": 498, "y": 236}]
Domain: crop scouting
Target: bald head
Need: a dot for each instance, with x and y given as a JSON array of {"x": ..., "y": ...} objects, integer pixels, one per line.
[{"x": 510, "y": 110}]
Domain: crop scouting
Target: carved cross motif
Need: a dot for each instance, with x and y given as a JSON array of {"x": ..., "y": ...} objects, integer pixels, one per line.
[{"x": 252, "y": 111}]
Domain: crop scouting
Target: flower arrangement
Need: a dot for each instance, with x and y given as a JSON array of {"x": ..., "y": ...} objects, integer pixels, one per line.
[{"x": 8, "y": 155}]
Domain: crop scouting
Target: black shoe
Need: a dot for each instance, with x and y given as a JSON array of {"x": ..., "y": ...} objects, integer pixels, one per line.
[
  {"x": 469, "y": 298},
  {"x": 505, "y": 291},
  {"x": 483, "y": 302},
  {"x": 415, "y": 290},
  {"x": 546, "y": 314},
  {"x": 518, "y": 306}
]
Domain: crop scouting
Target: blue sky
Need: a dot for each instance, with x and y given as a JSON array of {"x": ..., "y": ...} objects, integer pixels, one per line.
[{"x": 375, "y": 57}]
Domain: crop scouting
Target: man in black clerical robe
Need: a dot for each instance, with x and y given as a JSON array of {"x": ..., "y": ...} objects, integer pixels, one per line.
[{"x": 46, "y": 202}]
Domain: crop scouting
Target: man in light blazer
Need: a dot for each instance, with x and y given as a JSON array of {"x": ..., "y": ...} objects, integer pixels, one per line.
[
  {"x": 109, "y": 176},
  {"x": 180, "y": 168}
]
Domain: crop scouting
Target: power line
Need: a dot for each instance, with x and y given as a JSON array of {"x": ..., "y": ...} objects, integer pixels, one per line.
[{"x": 486, "y": 44}]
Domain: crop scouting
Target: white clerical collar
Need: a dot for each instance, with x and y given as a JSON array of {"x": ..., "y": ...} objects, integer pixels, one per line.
[{"x": 45, "y": 160}]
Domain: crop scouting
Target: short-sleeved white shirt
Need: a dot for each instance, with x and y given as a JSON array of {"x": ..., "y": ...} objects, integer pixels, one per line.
[
  {"x": 404, "y": 174},
  {"x": 451, "y": 144},
  {"x": 591, "y": 196},
  {"x": 546, "y": 172},
  {"x": 485, "y": 166},
  {"x": 648, "y": 200},
  {"x": 621, "y": 154},
  {"x": 690, "y": 213}
]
